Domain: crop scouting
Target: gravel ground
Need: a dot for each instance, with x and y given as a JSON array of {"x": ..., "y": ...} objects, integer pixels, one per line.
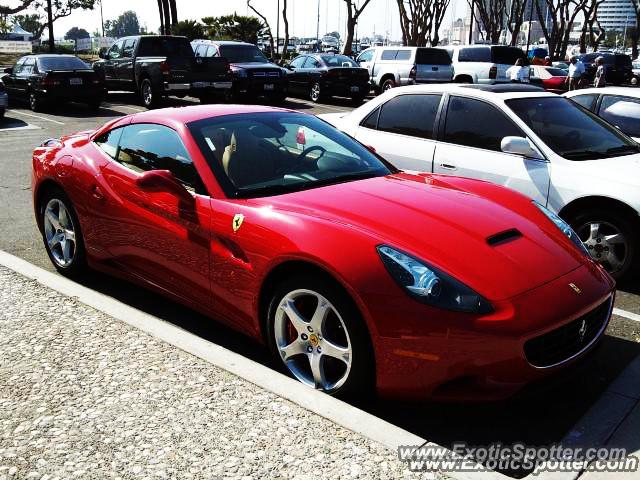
[{"x": 85, "y": 396}]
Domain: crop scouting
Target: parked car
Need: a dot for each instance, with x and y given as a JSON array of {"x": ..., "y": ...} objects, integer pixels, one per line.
[
  {"x": 538, "y": 143},
  {"x": 620, "y": 106},
  {"x": 561, "y": 65},
  {"x": 159, "y": 66},
  {"x": 286, "y": 229},
  {"x": 44, "y": 79},
  {"x": 635, "y": 72},
  {"x": 254, "y": 75},
  {"x": 4, "y": 100},
  {"x": 325, "y": 75},
  {"x": 553, "y": 79},
  {"x": 483, "y": 64},
  {"x": 397, "y": 66},
  {"x": 617, "y": 66}
]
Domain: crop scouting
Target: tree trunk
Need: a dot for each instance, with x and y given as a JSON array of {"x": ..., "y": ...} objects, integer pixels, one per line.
[
  {"x": 161, "y": 17},
  {"x": 167, "y": 17},
  {"x": 174, "y": 12},
  {"x": 286, "y": 32},
  {"x": 52, "y": 43},
  {"x": 266, "y": 23}
]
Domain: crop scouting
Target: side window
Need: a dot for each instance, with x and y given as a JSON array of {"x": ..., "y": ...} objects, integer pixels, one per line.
[
  {"x": 212, "y": 51},
  {"x": 127, "y": 49},
  {"x": 115, "y": 50},
  {"x": 28, "y": 66},
  {"x": 587, "y": 101},
  {"x": 18, "y": 66},
  {"x": 623, "y": 112},
  {"x": 310, "y": 62},
  {"x": 108, "y": 142},
  {"x": 474, "y": 54},
  {"x": 201, "y": 50},
  {"x": 403, "y": 55},
  {"x": 474, "y": 123},
  {"x": 298, "y": 62},
  {"x": 412, "y": 115},
  {"x": 389, "y": 55},
  {"x": 155, "y": 147},
  {"x": 372, "y": 120},
  {"x": 365, "y": 56}
]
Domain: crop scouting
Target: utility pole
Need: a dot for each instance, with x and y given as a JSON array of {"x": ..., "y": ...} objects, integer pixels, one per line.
[
  {"x": 278, "y": 30},
  {"x": 52, "y": 46},
  {"x": 318, "y": 24},
  {"x": 529, "y": 29},
  {"x": 101, "y": 18}
]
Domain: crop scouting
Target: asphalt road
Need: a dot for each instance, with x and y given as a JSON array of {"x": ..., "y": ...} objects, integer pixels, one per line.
[{"x": 541, "y": 414}]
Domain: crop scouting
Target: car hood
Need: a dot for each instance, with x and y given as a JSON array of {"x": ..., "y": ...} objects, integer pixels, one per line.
[
  {"x": 447, "y": 226},
  {"x": 625, "y": 169},
  {"x": 255, "y": 66}
]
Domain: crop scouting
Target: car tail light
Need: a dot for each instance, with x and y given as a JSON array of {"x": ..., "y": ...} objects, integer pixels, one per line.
[
  {"x": 493, "y": 72},
  {"x": 164, "y": 67},
  {"x": 412, "y": 73},
  {"x": 49, "y": 81}
]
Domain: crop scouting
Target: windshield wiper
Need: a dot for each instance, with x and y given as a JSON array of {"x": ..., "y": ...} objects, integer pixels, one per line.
[
  {"x": 623, "y": 149},
  {"x": 584, "y": 155}
]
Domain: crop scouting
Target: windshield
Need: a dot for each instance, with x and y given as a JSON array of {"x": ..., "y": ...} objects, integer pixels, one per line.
[
  {"x": 270, "y": 153},
  {"x": 242, "y": 54},
  {"x": 338, "y": 61},
  {"x": 61, "y": 63},
  {"x": 570, "y": 130}
]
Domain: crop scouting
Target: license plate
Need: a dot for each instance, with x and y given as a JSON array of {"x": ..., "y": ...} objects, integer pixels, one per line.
[
  {"x": 355, "y": 89},
  {"x": 200, "y": 84},
  {"x": 269, "y": 86},
  {"x": 75, "y": 81}
]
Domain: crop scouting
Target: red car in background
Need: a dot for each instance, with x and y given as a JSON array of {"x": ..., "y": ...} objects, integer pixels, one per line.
[
  {"x": 356, "y": 275},
  {"x": 553, "y": 78}
]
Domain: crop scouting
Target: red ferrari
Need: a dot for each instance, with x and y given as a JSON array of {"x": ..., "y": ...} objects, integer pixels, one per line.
[{"x": 354, "y": 274}]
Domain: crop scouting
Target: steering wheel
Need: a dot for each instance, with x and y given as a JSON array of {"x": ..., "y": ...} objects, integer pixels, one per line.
[
  {"x": 307, "y": 151},
  {"x": 573, "y": 136}
]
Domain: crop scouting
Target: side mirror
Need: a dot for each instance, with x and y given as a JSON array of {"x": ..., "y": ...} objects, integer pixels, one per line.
[
  {"x": 103, "y": 55},
  {"x": 163, "y": 181},
  {"x": 520, "y": 146},
  {"x": 8, "y": 70},
  {"x": 288, "y": 66}
]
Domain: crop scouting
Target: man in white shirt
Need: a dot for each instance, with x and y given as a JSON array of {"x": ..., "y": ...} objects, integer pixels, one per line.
[
  {"x": 576, "y": 70},
  {"x": 519, "y": 73}
]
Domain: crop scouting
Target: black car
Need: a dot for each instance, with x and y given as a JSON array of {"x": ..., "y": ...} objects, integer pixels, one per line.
[
  {"x": 158, "y": 66},
  {"x": 252, "y": 73},
  {"x": 617, "y": 66},
  {"x": 324, "y": 75},
  {"x": 47, "y": 79}
]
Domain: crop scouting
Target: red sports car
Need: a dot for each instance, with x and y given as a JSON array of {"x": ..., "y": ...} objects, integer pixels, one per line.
[{"x": 353, "y": 273}]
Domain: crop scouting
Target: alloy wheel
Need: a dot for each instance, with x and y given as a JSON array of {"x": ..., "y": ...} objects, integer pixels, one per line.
[
  {"x": 388, "y": 85},
  {"x": 312, "y": 340},
  {"x": 147, "y": 94},
  {"x": 60, "y": 233},
  {"x": 315, "y": 92},
  {"x": 606, "y": 244}
]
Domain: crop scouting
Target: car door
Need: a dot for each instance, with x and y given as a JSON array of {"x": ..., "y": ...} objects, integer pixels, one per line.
[
  {"x": 10, "y": 80},
  {"x": 469, "y": 146},
  {"x": 110, "y": 63},
  {"x": 156, "y": 235},
  {"x": 402, "y": 130},
  {"x": 124, "y": 65},
  {"x": 365, "y": 60},
  {"x": 295, "y": 75},
  {"x": 23, "y": 78},
  {"x": 312, "y": 71},
  {"x": 623, "y": 112}
]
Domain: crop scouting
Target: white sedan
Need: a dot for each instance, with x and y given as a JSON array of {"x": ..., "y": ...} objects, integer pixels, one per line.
[
  {"x": 535, "y": 142},
  {"x": 620, "y": 106}
]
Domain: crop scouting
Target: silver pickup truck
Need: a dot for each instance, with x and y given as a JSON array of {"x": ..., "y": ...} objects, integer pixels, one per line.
[{"x": 397, "y": 66}]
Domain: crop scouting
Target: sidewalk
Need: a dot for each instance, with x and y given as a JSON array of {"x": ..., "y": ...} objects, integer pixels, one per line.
[{"x": 85, "y": 396}]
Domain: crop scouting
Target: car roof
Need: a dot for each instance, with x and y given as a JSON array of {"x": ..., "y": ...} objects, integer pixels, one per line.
[
  {"x": 626, "y": 91},
  {"x": 52, "y": 55},
  {"x": 222, "y": 42},
  {"x": 490, "y": 92}
]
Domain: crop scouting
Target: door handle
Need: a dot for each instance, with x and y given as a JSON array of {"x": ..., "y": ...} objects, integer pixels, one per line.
[
  {"x": 448, "y": 166},
  {"x": 96, "y": 192}
]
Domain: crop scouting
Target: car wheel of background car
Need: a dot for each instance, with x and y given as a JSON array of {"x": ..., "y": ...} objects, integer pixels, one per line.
[
  {"x": 315, "y": 92},
  {"x": 358, "y": 99},
  {"x": 318, "y": 336},
  {"x": 634, "y": 81},
  {"x": 388, "y": 84},
  {"x": 61, "y": 233},
  {"x": 95, "y": 105},
  {"x": 35, "y": 103},
  {"x": 611, "y": 238},
  {"x": 147, "y": 94},
  {"x": 463, "y": 79}
]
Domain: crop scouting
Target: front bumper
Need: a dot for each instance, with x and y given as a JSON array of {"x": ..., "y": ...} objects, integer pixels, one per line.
[{"x": 466, "y": 357}]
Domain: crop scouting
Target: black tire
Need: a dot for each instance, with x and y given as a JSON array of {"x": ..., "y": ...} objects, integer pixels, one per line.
[
  {"x": 78, "y": 265},
  {"x": 36, "y": 103},
  {"x": 358, "y": 100},
  {"x": 94, "y": 105},
  {"x": 279, "y": 98},
  {"x": 610, "y": 219},
  {"x": 315, "y": 92},
  {"x": 149, "y": 96},
  {"x": 387, "y": 84},
  {"x": 361, "y": 377}
]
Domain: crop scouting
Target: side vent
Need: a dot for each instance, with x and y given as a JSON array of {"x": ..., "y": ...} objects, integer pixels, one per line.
[{"x": 503, "y": 237}]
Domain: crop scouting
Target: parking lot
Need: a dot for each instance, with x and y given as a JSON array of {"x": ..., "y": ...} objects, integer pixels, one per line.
[{"x": 542, "y": 414}]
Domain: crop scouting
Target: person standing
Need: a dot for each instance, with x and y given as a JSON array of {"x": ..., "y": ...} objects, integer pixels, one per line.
[
  {"x": 518, "y": 73},
  {"x": 599, "y": 79},
  {"x": 576, "y": 70}
]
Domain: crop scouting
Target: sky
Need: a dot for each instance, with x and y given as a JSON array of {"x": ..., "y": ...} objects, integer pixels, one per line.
[{"x": 380, "y": 16}]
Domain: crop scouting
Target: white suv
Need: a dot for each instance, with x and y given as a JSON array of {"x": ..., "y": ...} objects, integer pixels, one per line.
[
  {"x": 538, "y": 143},
  {"x": 483, "y": 63}
]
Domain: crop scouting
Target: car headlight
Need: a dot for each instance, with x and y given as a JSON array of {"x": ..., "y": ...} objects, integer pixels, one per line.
[
  {"x": 239, "y": 72},
  {"x": 431, "y": 285},
  {"x": 564, "y": 227}
]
